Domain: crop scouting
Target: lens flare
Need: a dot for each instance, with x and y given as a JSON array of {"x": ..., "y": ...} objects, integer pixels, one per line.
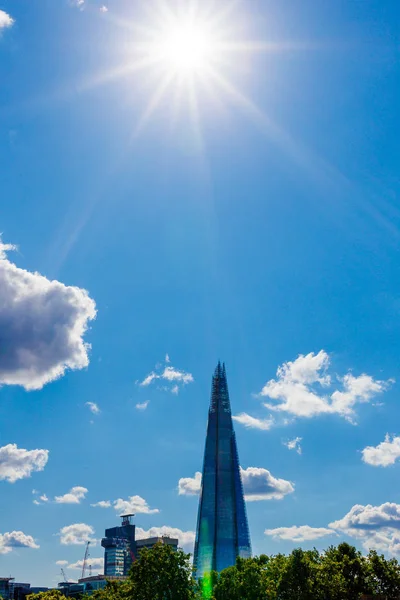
[{"x": 186, "y": 48}]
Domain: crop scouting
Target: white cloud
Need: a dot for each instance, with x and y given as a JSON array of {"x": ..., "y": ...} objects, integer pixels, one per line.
[
  {"x": 367, "y": 518},
  {"x": 190, "y": 486},
  {"x": 15, "y": 539},
  {"x": 102, "y": 504},
  {"x": 134, "y": 504},
  {"x": 42, "y": 325},
  {"x": 377, "y": 527},
  {"x": 74, "y": 496},
  {"x": 97, "y": 565},
  {"x": 294, "y": 444},
  {"x": 62, "y": 563},
  {"x": 78, "y": 533},
  {"x": 44, "y": 498},
  {"x": 148, "y": 379},
  {"x": 167, "y": 374},
  {"x": 93, "y": 407},
  {"x": 384, "y": 454},
  {"x": 300, "y": 389},
  {"x": 258, "y": 484},
  {"x": 302, "y": 533},
  {"x": 103, "y": 9},
  {"x": 186, "y": 538},
  {"x": 142, "y": 405},
  {"x": 171, "y": 374},
  {"x": 5, "y": 21},
  {"x": 78, "y": 3},
  {"x": 253, "y": 423},
  {"x": 356, "y": 389},
  {"x": 18, "y": 463}
]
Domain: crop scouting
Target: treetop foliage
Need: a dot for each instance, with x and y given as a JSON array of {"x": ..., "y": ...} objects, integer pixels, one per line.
[{"x": 339, "y": 573}]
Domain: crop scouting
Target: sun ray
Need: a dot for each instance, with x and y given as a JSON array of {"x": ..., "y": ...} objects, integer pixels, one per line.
[
  {"x": 118, "y": 72},
  {"x": 153, "y": 103}
]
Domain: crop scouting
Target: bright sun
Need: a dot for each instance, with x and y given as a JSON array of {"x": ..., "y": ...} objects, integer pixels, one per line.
[
  {"x": 186, "y": 48},
  {"x": 186, "y": 54},
  {"x": 183, "y": 45}
]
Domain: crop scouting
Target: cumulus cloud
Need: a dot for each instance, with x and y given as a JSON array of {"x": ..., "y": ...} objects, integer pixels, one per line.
[
  {"x": 148, "y": 379},
  {"x": 142, "y": 405},
  {"x": 302, "y": 533},
  {"x": 186, "y": 538},
  {"x": 190, "y": 486},
  {"x": 252, "y": 422},
  {"x": 97, "y": 565},
  {"x": 369, "y": 518},
  {"x": 171, "y": 374},
  {"x": 42, "y": 324},
  {"x": 377, "y": 527},
  {"x": 93, "y": 407},
  {"x": 74, "y": 496},
  {"x": 15, "y": 539},
  {"x": 5, "y": 21},
  {"x": 258, "y": 484},
  {"x": 294, "y": 444},
  {"x": 18, "y": 463},
  {"x": 103, "y": 9},
  {"x": 301, "y": 389},
  {"x": 384, "y": 454},
  {"x": 171, "y": 379},
  {"x": 62, "y": 563},
  {"x": 134, "y": 504},
  {"x": 102, "y": 504},
  {"x": 77, "y": 533}
]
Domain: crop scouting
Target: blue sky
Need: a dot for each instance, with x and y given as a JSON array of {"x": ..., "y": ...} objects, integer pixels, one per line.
[{"x": 248, "y": 212}]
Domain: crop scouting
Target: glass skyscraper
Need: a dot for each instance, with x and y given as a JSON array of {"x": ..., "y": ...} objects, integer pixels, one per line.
[
  {"x": 119, "y": 547},
  {"x": 222, "y": 530}
]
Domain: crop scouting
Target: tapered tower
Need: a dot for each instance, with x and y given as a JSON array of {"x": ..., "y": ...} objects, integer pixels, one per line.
[{"x": 222, "y": 530}]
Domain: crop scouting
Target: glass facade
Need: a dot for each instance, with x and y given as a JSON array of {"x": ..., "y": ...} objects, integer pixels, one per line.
[
  {"x": 6, "y": 587},
  {"x": 119, "y": 548},
  {"x": 222, "y": 530}
]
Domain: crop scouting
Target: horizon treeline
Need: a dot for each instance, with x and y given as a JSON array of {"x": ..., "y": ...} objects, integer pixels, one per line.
[{"x": 340, "y": 573}]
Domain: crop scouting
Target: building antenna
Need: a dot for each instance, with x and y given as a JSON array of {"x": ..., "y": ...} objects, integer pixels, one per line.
[{"x": 85, "y": 559}]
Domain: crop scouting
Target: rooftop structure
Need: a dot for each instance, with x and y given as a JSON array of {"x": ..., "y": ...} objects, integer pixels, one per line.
[{"x": 150, "y": 542}]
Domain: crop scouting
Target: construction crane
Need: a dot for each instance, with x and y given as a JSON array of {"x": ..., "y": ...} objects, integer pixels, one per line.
[
  {"x": 64, "y": 575},
  {"x": 85, "y": 559}
]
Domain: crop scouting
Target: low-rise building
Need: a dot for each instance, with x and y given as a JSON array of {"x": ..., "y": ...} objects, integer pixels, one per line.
[{"x": 151, "y": 542}]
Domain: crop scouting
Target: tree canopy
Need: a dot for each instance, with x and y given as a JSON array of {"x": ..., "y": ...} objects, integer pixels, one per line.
[{"x": 339, "y": 573}]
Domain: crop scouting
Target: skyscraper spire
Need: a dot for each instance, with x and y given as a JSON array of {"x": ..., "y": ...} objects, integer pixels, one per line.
[{"x": 222, "y": 530}]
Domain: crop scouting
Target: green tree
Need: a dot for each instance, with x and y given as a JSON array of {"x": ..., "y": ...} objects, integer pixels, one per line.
[
  {"x": 114, "y": 590},
  {"x": 382, "y": 576},
  {"x": 342, "y": 573},
  {"x": 246, "y": 580},
  {"x": 49, "y": 595},
  {"x": 297, "y": 577},
  {"x": 161, "y": 573}
]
